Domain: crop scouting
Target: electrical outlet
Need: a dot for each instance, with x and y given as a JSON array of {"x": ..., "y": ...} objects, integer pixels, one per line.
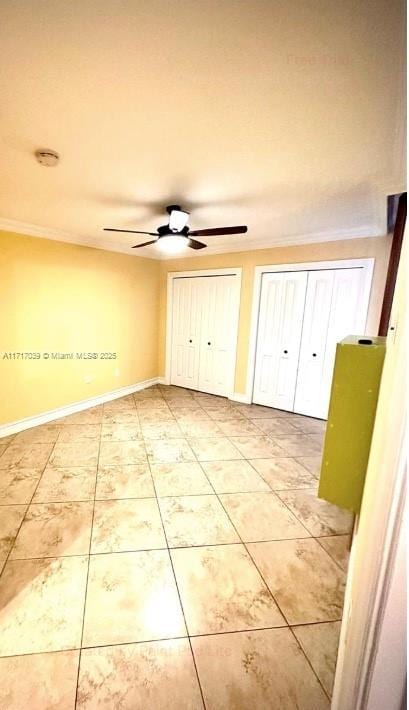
[
  {"x": 87, "y": 379},
  {"x": 116, "y": 372}
]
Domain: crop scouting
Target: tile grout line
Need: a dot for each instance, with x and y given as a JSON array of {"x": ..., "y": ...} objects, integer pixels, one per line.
[
  {"x": 177, "y": 588},
  {"x": 88, "y": 568},
  {"x": 272, "y": 595},
  {"x": 26, "y": 511}
]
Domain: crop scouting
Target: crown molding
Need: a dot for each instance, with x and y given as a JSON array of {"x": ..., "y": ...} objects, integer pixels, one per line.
[
  {"x": 35, "y": 230},
  {"x": 58, "y": 235}
]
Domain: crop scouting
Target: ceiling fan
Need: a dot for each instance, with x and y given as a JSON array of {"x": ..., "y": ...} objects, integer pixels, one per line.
[{"x": 176, "y": 235}]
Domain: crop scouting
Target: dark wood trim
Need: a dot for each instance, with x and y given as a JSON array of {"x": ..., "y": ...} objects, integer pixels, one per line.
[{"x": 394, "y": 258}]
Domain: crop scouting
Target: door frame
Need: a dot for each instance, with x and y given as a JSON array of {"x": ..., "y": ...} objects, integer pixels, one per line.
[
  {"x": 172, "y": 275},
  {"x": 366, "y": 264}
]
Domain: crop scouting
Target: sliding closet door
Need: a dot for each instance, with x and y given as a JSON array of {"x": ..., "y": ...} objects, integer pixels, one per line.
[
  {"x": 219, "y": 308},
  {"x": 334, "y": 309},
  {"x": 186, "y": 323},
  {"x": 204, "y": 333},
  {"x": 278, "y": 340}
]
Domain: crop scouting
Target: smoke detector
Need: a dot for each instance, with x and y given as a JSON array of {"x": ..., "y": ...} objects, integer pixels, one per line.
[{"x": 47, "y": 157}]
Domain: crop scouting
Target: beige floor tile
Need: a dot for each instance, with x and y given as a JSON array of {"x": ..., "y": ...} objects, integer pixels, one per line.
[
  {"x": 17, "y": 485},
  {"x": 307, "y": 585},
  {"x": 318, "y": 516},
  {"x": 44, "y": 434},
  {"x": 196, "y": 520},
  {"x": 168, "y": 451},
  {"x": 84, "y": 453},
  {"x": 120, "y": 453},
  {"x": 282, "y": 473},
  {"x": 119, "y": 405},
  {"x": 87, "y": 416},
  {"x": 3, "y": 448},
  {"x": 128, "y": 416},
  {"x": 129, "y": 481},
  {"x": 221, "y": 590},
  {"x": 238, "y": 427},
  {"x": 66, "y": 484},
  {"x": 217, "y": 449},
  {"x": 189, "y": 415},
  {"x": 41, "y": 605},
  {"x": 11, "y": 517},
  {"x": 178, "y": 479},
  {"x": 120, "y": 432},
  {"x": 255, "y": 411},
  {"x": 26, "y": 455},
  {"x": 222, "y": 413},
  {"x": 54, "y": 530},
  {"x": 159, "y": 675},
  {"x": 261, "y": 516},
  {"x": 317, "y": 439},
  {"x": 6, "y": 440},
  {"x": 264, "y": 670},
  {"x": 76, "y": 432},
  {"x": 44, "y": 681},
  {"x": 162, "y": 430},
  {"x": 233, "y": 476},
  {"x": 148, "y": 393},
  {"x": 127, "y": 525},
  {"x": 320, "y": 644},
  {"x": 153, "y": 416},
  {"x": 151, "y": 403},
  {"x": 131, "y": 596},
  {"x": 181, "y": 403},
  {"x": 202, "y": 429},
  {"x": 276, "y": 427},
  {"x": 311, "y": 463},
  {"x": 308, "y": 425},
  {"x": 298, "y": 445},
  {"x": 256, "y": 447},
  {"x": 338, "y": 547}
]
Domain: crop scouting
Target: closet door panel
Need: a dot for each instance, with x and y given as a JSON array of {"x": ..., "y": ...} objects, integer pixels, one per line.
[
  {"x": 348, "y": 317},
  {"x": 314, "y": 342},
  {"x": 218, "y": 334},
  {"x": 186, "y": 333},
  {"x": 333, "y": 310},
  {"x": 278, "y": 341}
]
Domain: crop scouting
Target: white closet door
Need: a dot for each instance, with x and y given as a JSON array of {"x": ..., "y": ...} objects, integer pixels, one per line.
[
  {"x": 333, "y": 310},
  {"x": 186, "y": 322},
  {"x": 278, "y": 340},
  {"x": 219, "y": 320}
]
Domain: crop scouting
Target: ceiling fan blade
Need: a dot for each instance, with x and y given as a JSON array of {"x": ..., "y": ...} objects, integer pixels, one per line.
[
  {"x": 144, "y": 244},
  {"x": 193, "y": 244},
  {"x": 129, "y": 231},
  {"x": 218, "y": 230}
]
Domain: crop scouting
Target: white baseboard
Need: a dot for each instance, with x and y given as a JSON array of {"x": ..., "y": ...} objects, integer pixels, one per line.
[
  {"x": 162, "y": 381},
  {"x": 238, "y": 397},
  {"x": 52, "y": 414}
]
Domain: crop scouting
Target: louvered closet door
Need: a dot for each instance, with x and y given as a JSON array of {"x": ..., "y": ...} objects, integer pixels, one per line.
[
  {"x": 186, "y": 322},
  {"x": 279, "y": 336},
  {"x": 334, "y": 309},
  {"x": 219, "y": 306}
]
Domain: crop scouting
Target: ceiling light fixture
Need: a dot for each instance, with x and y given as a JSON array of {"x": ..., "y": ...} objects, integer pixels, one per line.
[
  {"x": 172, "y": 244},
  {"x": 178, "y": 218}
]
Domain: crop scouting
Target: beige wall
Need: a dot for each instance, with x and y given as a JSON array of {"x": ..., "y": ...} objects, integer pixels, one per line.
[
  {"x": 349, "y": 249},
  {"x": 58, "y": 297},
  {"x": 61, "y": 297}
]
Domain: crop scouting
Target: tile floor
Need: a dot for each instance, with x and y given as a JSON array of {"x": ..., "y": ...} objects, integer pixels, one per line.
[{"x": 168, "y": 550}]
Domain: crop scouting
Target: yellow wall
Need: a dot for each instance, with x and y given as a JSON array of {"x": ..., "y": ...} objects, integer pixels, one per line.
[
  {"x": 62, "y": 297},
  {"x": 377, "y": 247},
  {"x": 59, "y": 297}
]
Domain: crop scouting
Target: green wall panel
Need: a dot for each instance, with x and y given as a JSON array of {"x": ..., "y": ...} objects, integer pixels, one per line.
[{"x": 354, "y": 396}]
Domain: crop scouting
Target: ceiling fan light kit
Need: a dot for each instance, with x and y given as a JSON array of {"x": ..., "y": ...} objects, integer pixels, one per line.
[{"x": 173, "y": 237}]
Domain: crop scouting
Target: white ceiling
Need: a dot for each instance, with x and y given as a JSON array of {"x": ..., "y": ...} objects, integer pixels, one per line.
[{"x": 283, "y": 116}]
